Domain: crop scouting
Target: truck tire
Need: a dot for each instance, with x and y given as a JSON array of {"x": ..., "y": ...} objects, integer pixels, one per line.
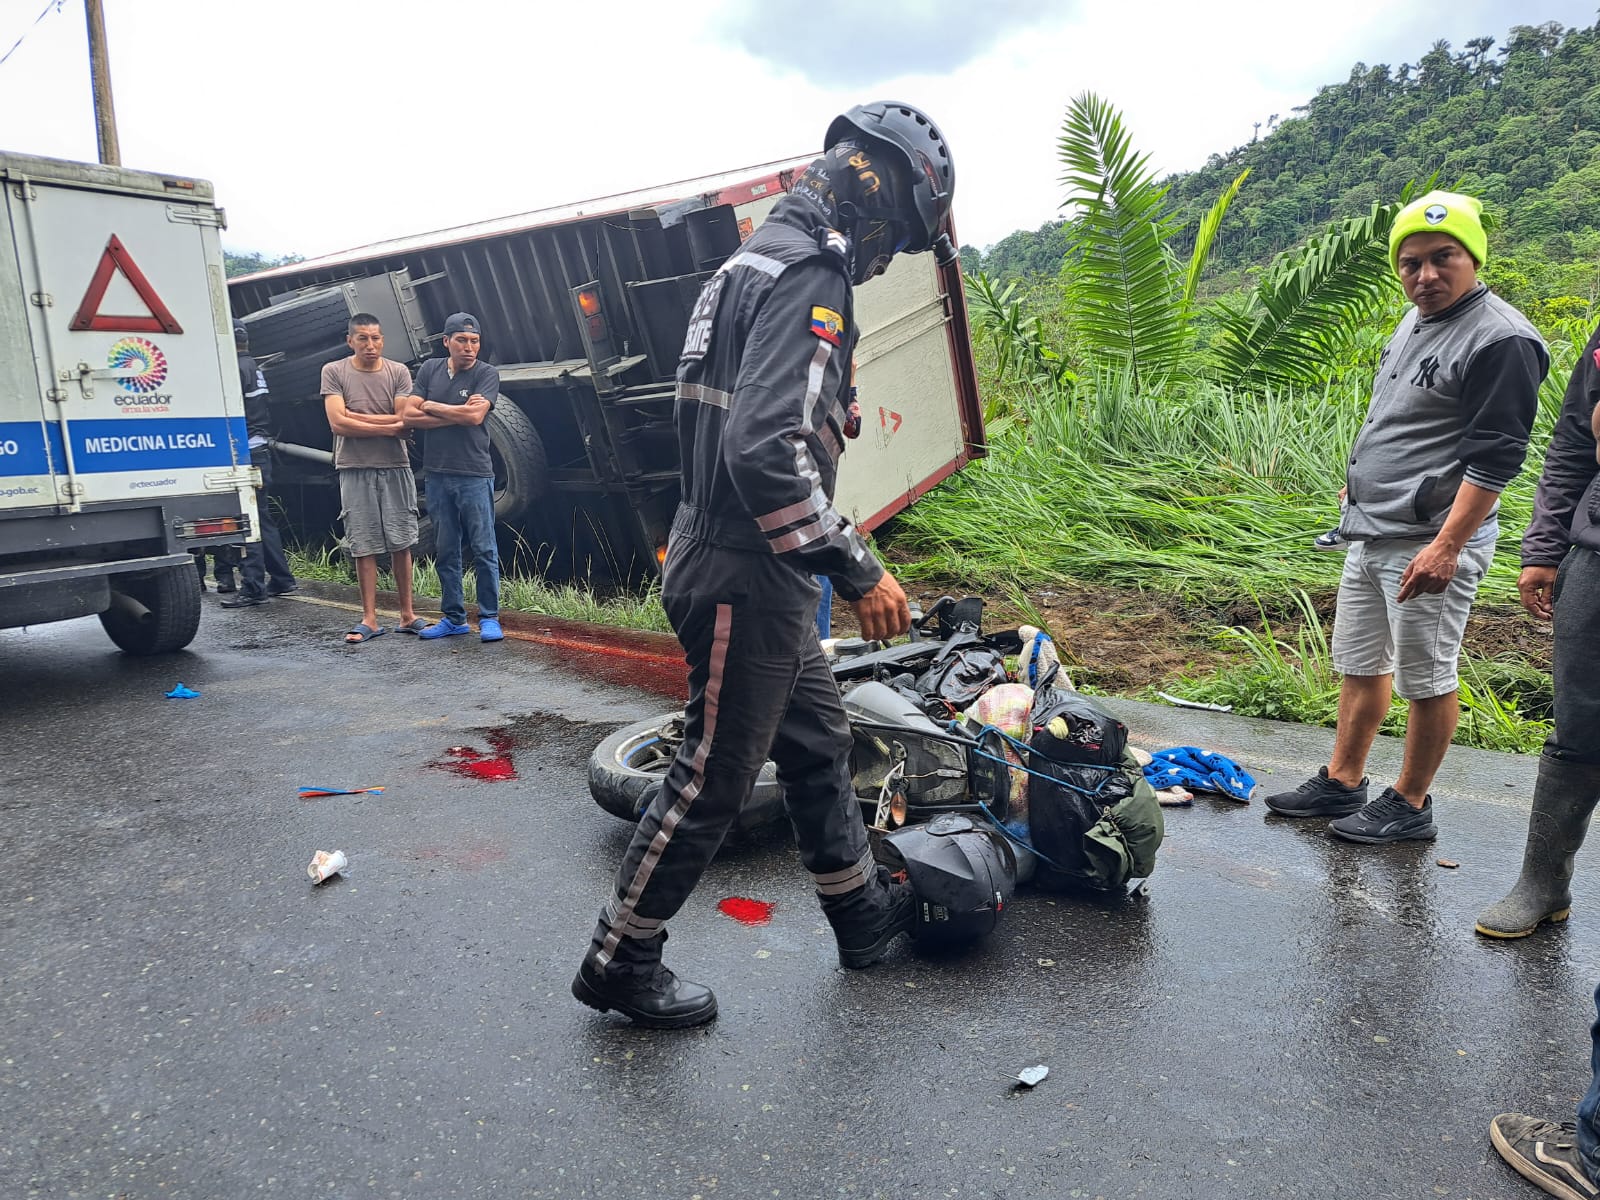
[
  {"x": 171, "y": 616},
  {"x": 626, "y": 769},
  {"x": 521, "y": 472}
]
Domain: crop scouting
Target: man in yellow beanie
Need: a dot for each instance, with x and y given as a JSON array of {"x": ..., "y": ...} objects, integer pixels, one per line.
[{"x": 1446, "y": 431}]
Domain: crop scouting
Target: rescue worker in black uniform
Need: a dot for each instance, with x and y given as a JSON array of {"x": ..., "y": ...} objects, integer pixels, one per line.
[
  {"x": 762, "y": 397},
  {"x": 264, "y": 571}
]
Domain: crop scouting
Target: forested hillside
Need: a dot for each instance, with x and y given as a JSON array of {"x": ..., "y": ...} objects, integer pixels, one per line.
[{"x": 1516, "y": 123}]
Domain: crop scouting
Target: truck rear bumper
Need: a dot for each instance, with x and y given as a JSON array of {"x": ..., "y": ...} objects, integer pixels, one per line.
[{"x": 76, "y": 571}]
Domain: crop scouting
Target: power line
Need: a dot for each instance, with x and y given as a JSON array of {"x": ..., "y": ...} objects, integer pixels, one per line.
[{"x": 55, "y": 4}]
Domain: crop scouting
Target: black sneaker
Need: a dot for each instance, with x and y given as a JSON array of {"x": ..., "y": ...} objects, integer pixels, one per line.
[
  {"x": 1320, "y": 796},
  {"x": 1543, "y": 1153},
  {"x": 243, "y": 600},
  {"x": 1331, "y": 540},
  {"x": 275, "y": 590},
  {"x": 1389, "y": 818}
]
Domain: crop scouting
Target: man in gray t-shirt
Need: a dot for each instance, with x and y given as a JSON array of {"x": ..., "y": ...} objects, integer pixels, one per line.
[{"x": 377, "y": 493}]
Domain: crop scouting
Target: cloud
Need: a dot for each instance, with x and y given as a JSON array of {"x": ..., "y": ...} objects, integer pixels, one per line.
[{"x": 847, "y": 43}]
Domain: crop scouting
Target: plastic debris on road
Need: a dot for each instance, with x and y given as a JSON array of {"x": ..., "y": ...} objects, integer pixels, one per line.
[
  {"x": 1448, "y": 862},
  {"x": 182, "y": 693},
  {"x": 1031, "y": 1076},
  {"x": 325, "y": 864},
  {"x": 307, "y": 792}
]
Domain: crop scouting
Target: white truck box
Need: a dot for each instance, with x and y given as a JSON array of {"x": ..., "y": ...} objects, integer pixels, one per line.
[{"x": 122, "y": 438}]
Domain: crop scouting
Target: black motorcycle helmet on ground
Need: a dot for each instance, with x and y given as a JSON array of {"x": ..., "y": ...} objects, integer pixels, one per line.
[
  {"x": 962, "y": 876},
  {"x": 884, "y": 181}
]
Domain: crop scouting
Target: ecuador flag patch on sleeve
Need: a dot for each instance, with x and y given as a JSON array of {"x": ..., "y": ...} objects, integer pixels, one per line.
[{"x": 826, "y": 324}]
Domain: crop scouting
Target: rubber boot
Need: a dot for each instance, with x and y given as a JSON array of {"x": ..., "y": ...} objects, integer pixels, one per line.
[
  {"x": 639, "y": 986},
  {"x": 866, "y": 920},
  {"x": 1563, "y": 799}
]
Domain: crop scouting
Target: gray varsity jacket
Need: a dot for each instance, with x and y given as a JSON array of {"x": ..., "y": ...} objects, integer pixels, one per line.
[{"x": 1454, "y": 399}]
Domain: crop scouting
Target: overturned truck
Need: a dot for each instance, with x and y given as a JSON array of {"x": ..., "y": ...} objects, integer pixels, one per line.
[{"x": 584, "y": 309}]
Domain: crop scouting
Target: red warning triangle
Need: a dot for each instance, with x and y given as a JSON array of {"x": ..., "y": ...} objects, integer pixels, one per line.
[{"x": 88, "y": 316}]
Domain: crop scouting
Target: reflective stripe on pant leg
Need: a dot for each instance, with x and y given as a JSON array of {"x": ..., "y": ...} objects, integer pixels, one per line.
[
  {"x": 812, "y": 752},
  {"x": 621, "y": 917},
  {"x": 839, "y": 883}
]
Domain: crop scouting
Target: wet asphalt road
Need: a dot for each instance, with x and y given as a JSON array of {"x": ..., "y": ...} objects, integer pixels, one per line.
[{"x": 182, "y": 1015}]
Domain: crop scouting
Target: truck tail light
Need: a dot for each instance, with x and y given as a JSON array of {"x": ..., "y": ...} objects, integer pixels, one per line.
[
  {"x": 595, "y": 330},
  {"x": 211, "y": 526},
  {"x": 594, "y": 318}
]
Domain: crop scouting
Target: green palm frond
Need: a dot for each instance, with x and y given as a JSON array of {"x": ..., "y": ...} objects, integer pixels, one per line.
[
  {"x": 1204, "y": 236},
  {"x": 1122, "y": 291},
  {"x": 1021, "y": 353},
  {"x": 1309, "y": 300}
]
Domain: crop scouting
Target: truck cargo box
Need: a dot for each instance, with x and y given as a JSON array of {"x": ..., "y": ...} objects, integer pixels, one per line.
[{"x": 583, "y": 309}]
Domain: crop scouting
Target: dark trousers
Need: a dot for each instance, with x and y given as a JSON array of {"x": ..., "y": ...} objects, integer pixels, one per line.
[
  {"x": 223, "y": 559},
  {"x": 1576, "y": 666},
  {"x": 758, "y": 688},
  {"x": 264, "y": 560},
  {"x": 1577, "y": 718}
]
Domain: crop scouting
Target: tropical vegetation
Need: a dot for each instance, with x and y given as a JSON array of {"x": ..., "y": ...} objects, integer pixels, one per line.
[{"x": 1174, "y": 377}]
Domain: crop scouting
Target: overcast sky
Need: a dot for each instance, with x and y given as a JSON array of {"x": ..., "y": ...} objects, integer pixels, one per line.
[{"x": 327, "y": 124}]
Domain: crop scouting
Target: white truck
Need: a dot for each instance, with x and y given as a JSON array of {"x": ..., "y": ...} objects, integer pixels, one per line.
[{"x": 122, "y": 437}]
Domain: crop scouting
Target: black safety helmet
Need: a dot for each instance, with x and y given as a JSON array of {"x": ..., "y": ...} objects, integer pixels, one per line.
[
  {"x": 930, "y": 170},
  {"x": 962, "y": 876}
]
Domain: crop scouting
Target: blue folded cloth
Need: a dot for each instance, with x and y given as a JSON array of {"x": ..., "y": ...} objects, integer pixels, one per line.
[{"x": 1199, "y": 771}]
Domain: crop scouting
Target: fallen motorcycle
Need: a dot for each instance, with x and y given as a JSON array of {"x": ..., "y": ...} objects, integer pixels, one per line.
[
  {"x": 937, "y": 729},
  {"x": 896, "y": 741}
]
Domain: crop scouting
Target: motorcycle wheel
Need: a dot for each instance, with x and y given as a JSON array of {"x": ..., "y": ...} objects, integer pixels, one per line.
[{"x": 627, "y": 768}]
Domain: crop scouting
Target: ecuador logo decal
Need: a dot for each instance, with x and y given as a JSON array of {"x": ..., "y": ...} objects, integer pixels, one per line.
[{"x": 827, "y": 324}]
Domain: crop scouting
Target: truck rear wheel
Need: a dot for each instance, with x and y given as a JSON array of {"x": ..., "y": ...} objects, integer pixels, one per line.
[
  {"x": 521, "y": 472},
  {"x": 164, "y": 613}
]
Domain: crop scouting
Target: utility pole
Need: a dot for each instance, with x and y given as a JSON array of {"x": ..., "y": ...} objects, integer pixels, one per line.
[{"x": 105, "y": 116}]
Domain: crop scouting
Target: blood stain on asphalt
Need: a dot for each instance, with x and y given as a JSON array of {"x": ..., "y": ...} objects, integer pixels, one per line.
[
  {"x": 494, "y": 765},
  {"x": 746, "y": 912}
]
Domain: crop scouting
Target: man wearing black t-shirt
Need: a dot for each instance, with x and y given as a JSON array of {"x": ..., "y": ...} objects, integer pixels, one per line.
[{"x": 451, "y": 398}]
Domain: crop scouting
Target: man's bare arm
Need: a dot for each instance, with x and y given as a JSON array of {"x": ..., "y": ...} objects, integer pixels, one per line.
[
  {"x": 1435, "y": 565},
  {"x": 473, "y": 412},
  {"x": 410, "y": 408},
  {"x": 360, "y": 425}
]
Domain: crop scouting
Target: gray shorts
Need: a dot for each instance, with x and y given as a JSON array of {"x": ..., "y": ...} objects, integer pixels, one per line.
[
  {"x": 379, "y": 509},
  {"x": 1418, "y": 642}
]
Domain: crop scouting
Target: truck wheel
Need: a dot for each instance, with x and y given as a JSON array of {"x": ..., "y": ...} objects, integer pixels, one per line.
[
  {"x": 521, "y": 472},
  {"x": 427, "y": 545},
  {"x": 164, "y": 614},
  {"x": 626, "y": 769}
]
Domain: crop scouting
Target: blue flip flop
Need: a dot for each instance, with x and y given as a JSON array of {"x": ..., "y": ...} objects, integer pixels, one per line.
[{"x": 364, "y": 633}]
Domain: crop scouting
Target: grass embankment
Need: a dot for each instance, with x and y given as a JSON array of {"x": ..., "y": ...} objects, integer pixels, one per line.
[
  {"x": 1212, "y": 495},
  {"x": 518, "y": 592}
]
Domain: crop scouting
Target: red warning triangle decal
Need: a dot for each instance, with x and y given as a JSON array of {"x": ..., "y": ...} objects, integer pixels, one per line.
[{"x": 88, "y": 316}]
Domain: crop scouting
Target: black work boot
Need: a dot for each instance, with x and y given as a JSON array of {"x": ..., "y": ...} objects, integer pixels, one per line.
[
  {"x": 638, "y": 986},
  {"x": 1563, "y": 800},
  {"x": 866, "y": 920},
  {"x": 1319, "y": 796}
]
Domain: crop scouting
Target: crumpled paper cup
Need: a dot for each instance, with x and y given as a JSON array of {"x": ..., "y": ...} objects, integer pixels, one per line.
[{"x": 325, "y": 864}]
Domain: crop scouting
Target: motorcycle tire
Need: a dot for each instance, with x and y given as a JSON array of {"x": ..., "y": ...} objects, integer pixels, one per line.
[{"x": 627, "y": 768}]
